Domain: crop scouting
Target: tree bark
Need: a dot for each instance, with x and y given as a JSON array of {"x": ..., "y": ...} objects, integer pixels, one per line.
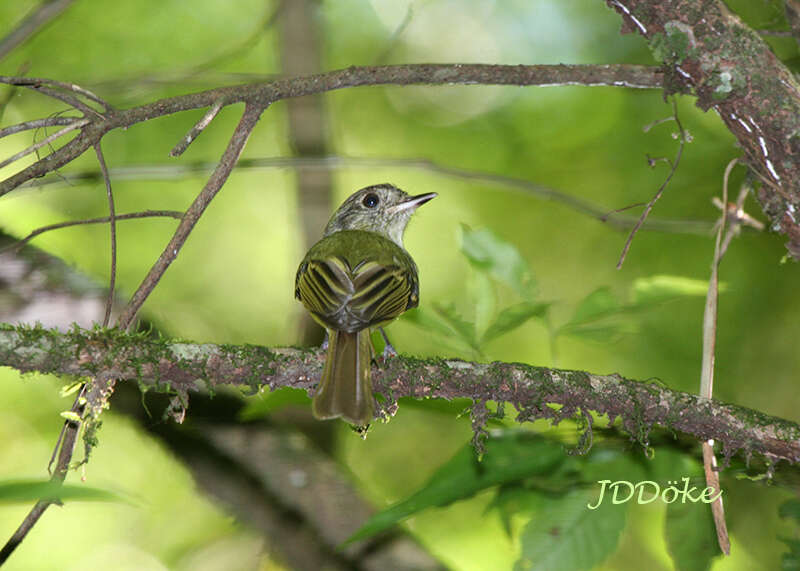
[{"x": 167, "y": 366}]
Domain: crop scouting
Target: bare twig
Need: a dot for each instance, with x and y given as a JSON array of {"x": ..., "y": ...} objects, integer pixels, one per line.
[
  {"x": 660, "y": 191},
  {"x": 37, "y": 124},
  {"x": 193, "y": 213},
  {"x": 65, "y": 446},
  {"x": 265, "y": 93},
  {"x": 707, "y": 367},
  {"x": 44, "y": 85},
  {"x": 112, "y": 219},
  {"x": 198, "y": 127},
  {"x": 717, "y": 509},
  {"x": 169, "y": 172},
  {"x": 44, "y": 142},
  {"x": 32, "y": 23},
  {"x": 67, "y": 98},
  {"x": 133, "y": 215}
]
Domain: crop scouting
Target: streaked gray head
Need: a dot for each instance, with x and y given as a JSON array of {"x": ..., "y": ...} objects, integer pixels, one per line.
[{"x": 381, "y": 208}]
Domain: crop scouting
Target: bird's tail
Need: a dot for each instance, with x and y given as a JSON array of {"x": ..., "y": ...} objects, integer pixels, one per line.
[{"x": 345, "y": 389}]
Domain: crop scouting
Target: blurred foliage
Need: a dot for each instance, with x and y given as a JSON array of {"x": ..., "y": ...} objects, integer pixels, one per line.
[{"x": 504, "y": 276}]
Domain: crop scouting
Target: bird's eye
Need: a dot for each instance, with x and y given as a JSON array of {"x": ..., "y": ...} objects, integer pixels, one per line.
[{"x": 370, "y": 201}]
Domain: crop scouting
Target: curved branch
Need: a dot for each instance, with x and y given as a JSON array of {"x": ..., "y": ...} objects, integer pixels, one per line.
[
  {"x": 232, "y": 152},
  {"x": 263, "y": 94},
  {"x": 164, "y": 365},
  {"x": 709, "y": 51}
]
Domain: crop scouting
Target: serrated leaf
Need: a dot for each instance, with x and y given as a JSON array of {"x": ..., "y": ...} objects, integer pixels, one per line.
[
  {"x": 660, "y": 288},
  {"x": 24, "y": 491},
  {"x": 500, "y": 259},
  {"x": 565, "y": 534},
  {"x": 512, "y": 317},
  {"x": 270, "y": 402},
  {"x": 509, "y": 457}
]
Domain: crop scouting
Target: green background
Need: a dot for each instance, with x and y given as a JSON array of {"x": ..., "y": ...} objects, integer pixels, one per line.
[{"x": 233, "y": 281}]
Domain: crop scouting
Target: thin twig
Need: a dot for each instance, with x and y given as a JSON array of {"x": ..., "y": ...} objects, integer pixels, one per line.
[
  {"x": 37, "y": 124},
  {"x": 649, "y": 207},
  {"x": 133, "y": 215},
  {"x": 184, "y": 143},
  {"x": 43, "y": 84},
  {"x": 67, "y": 440},
  {"x": 412, "y": 74},
  {"x": 707, "y": 367},
  {"x": 169, "y": 172},
  {"x": 66, "y": 98},
  {"x": 34, "y": 21},
  {"x": 44, "y": 142},
  {"x": 112, "y": 219},
  {"x": 193, "y": 213}
]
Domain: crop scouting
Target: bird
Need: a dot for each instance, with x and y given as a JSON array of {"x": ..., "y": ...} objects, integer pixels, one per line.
[{"x": 358, "y": 276}]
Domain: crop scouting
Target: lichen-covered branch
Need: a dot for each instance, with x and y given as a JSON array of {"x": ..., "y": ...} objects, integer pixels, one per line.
[
  {"x": 708, "y": 51},
  {"x": 182, "y": 367}
]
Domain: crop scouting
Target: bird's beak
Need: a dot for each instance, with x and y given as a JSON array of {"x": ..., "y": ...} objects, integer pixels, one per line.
[{"x": 415, "y": 201}]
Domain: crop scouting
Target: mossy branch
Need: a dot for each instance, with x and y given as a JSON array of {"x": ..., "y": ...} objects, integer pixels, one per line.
[
  {"x": 182, "y": 367},
  {"x": 706, "y": 50}
]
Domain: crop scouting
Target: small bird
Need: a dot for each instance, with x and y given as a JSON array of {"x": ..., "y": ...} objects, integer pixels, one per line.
[{"x": 356, "y": 277}]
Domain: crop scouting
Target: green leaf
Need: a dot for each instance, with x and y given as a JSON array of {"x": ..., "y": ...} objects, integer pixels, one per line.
[
  {"x": 484, "y": 300},
  {"x": 565, "y": 534},
  {"x": 24, "y": 491},
  {"x": 261, "y": 407},
  {"x": 512, "y": 317},
  {"x": 597, "y": 317},
  {"x": 514, "y": 499},
  {"x": 790, "y": 508},
  {"x": 509, "y": 457},
  {"x": 463, "y": 328},
  {"x": 431, "y": 321},
  {"x": 690, "y": 535},
  {"x": 598, "y": 304},
  {"x": 791, "y": 561},
  {"x": 427, "y": 320},
  {"x": 500, "y": 259},
  {"x": 660, "y": 288}
]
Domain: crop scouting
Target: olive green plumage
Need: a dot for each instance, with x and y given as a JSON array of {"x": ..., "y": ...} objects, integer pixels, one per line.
[{"x": 356, "y": 277}]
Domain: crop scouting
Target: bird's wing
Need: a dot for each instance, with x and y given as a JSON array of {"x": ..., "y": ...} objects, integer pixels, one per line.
[{"x": 351, "y": 299}]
